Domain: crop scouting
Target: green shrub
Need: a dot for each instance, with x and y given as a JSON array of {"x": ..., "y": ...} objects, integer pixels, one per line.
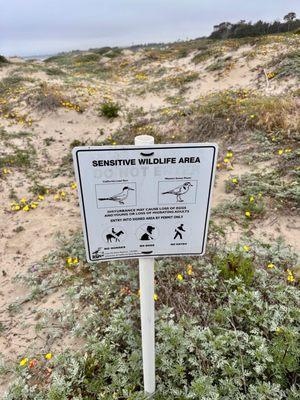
[
  {"x": 109, "y": 109},
  {"x": 3, "y": 60},
  {"x": 227, "y": 330}
]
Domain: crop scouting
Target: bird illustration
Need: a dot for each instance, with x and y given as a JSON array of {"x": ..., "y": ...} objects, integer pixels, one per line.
[
  {"x": 179, "y": 191},
  {"x": 119, "y": 197}
]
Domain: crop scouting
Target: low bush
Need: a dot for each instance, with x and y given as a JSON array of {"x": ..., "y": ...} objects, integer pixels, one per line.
[
  {"x": 227, "y": 329},
  {"x": 109, "y": 110}
]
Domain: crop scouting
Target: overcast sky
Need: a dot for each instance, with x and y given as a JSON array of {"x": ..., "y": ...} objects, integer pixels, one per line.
[{"x": 33, "y": 27}]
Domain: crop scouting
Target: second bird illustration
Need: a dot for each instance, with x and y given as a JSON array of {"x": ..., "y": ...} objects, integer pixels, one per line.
[
  {"x": 179, "y": 191},
  {"x": 118, "y": 197}
]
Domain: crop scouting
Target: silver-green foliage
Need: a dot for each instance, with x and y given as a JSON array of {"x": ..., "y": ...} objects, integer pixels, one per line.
[{"x": 220, "y": 333}]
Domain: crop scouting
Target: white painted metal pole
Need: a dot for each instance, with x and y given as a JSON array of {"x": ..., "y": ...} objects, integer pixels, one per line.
[{"x": 146, "y": 271}]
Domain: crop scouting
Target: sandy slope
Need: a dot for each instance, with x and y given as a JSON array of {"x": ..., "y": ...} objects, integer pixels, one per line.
[{"x": 19, "y": 251}]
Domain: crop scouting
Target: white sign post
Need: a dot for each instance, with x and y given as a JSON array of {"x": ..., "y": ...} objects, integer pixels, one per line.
[
  {"x": 146, "y": 272},
  {"x": 145, "y": 201}
]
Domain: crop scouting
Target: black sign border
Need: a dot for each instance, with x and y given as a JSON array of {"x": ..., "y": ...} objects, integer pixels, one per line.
[{"x": 138, "y": 148}]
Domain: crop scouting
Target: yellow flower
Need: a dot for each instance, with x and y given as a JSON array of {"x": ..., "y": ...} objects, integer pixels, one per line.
[
  {"x": 189, "y": 270},
  {"x": 226, "y": 160},
  {"x": 23, "y": 362},
  {"x": 280, "y": 152},
  {"x": 34, "y": 205},
  {"x": 48, "y": 356},
  {"x": 246, "y": 248},
  {"x": 23, "y": 200},
  {"x": 271, "y": 266},
  {"x": 69, "y": 260},
  {"x": 41, "y": 197},
  {"x": 75, "y": 261},
  {"x": 155, "y": 297},
  {"x": 73, "y": 185},
  {"x": 62, "y": 193},
  {"x": 248, "y": 214},
  {"x": 260, "y": 195},
  {"x": 278, "y": 330},
  {"x": 26, "y": 208},
  {"x": 288, "y": 150},
  {"x": 229, "y": 154},
  {"x": 291, "y": 278},
  {"x": 180, "y": 277},
  {"x": 6, "y": 171},
  {"x": 56, "y": 197},
  {"x": 234, "y": 180},
  {"x": 251, "y": 199}
]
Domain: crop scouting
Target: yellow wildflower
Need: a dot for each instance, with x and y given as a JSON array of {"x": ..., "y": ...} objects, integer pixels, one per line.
[
  {"x": 248, "y": 214},
  {"x": 189, "y": 270},
  {"x": 23, "y": 362},
  {"x": 291, "y": 278},
  {"x": 180, "y": 277},
  {"x": 278, "y": 330},
  {"x": 251, "y": 199},
  {"x": 41, "y": 197},
  {"x": 73, "y": 185},
  {"x": 155, "y": 297},
  {"x": 226, "y": 160},
  {"x": 271, "y": 266},
  {"x": 280, "y": 152},
  {"x": 23, "y": 200},
  {"x": 234, "y": 180},
  {"x": 246, "y": 248},
  {"x": 56, "y": 197},
  {"x": 69, "y": 260},
  {"x": 26, "y": 208},
  {"x": 229, "y": 154},
  {"x": 48, "y": 356}
]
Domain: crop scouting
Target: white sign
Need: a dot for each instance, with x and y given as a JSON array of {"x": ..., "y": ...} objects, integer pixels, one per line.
[{"x": 150, "y": 201}]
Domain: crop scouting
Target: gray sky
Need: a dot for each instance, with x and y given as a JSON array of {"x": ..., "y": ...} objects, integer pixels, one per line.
[{"x": 33, "y": 27}]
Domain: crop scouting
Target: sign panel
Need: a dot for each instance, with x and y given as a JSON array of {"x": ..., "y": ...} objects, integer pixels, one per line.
[{"x": 150, "y": 201}]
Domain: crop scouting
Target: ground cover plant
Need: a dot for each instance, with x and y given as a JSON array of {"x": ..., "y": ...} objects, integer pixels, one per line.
[{"x": 227, "y": 327}]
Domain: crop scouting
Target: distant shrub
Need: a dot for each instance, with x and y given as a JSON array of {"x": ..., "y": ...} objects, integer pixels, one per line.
[
  {"x": 47, "y": 98},
  {"x": 54, "y": 71},
  {"x": 88, "y": 58},
  {"x": 109, "y": 110},
  {"x": 3, "y": 60}
]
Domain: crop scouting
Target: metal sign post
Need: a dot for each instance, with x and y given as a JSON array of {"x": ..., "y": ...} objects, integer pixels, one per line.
[{"x": 146, "y": 272}]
